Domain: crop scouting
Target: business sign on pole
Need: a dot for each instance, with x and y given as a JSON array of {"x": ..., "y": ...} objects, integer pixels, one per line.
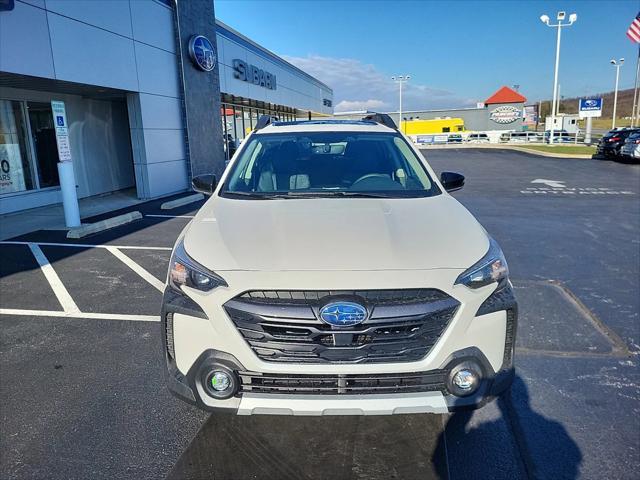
[
  {"x": 590, "y": 107},
  {"x": 62, "y": 130},
  {"x": 530, "y": 114}
]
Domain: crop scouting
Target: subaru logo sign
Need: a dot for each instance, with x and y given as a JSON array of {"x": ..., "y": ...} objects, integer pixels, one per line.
[
  {"x": 202, "y": 53},
  {"x": 591, "y": 102},
  {"x": 343, "y": 314}
]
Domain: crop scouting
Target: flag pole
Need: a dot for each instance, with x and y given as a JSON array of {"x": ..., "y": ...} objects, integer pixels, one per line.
[{"x": 634, "y": 112}]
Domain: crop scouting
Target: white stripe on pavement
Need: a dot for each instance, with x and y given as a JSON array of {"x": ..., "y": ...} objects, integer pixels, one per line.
[
  {"x": 78, "y": 314},
  {"x": 137, "y": 268},
  {"x": 170, "y": 216},
  {"x": 83, "y": 245},
  {"x": 67, "y": 303}
]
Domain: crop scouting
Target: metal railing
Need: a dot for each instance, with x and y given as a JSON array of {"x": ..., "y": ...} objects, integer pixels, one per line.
[{"x": 505, "y": 137}]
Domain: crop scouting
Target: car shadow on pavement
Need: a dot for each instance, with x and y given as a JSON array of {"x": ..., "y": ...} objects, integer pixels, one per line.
[
  {"x": 519, "y": 443},
  {"x": 334, "y": 447}
]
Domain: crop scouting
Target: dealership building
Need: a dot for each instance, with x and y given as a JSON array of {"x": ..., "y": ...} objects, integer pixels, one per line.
[
  {"x": 154, "y": 93},
  {"x": 503, "y": 110}
]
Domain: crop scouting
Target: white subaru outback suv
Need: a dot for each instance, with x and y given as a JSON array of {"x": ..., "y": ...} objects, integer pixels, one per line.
[{"x": 330, "y": 273}]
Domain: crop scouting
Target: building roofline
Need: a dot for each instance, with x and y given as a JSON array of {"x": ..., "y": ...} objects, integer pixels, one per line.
[
  {"x": 268, "y": 53},
  {"x": 435, "y": 111}
]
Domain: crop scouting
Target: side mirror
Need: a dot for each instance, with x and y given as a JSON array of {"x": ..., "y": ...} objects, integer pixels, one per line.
[
  {"x": 452, "y": 181},
  {"x": 204, "y": 183}
]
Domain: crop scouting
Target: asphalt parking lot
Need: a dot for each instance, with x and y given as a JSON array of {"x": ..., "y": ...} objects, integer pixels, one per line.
[{"x": 82, "y": 393}]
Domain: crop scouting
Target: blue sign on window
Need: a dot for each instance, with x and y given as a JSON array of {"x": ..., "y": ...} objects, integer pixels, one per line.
[
  {"x": 590, "y": 104},
  {"x": 60, "y": 120}
]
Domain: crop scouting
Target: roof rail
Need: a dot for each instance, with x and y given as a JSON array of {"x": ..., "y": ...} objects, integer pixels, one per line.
[
  {"x": 265, "y": 120},
  {"x": 381, "y": 118}
]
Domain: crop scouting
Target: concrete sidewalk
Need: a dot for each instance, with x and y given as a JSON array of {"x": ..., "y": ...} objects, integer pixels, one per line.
[{"x": 51, "y": 217}]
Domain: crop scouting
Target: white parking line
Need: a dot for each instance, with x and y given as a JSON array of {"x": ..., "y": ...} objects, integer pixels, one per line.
[
  {"x": 70, "y": 309},
  {"x": 170, "y": 216},
  {"x": 79, "y": 314},
  {"x": 67, "y": 303},
  {"x": 137, "y": 268},
  {"x": 82, "y": 245}
]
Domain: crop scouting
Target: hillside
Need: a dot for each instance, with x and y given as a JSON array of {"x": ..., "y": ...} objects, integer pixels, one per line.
[{"x": 570, "y": 105}]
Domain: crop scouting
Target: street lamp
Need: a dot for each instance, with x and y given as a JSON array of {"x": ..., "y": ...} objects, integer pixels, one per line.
[
  {"x": 617, "y": 64},
  {"x": 400, "y": 79},
  {"x": 546, "y": 20}
]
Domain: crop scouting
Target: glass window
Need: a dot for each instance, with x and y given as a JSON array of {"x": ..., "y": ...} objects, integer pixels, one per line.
[
  {"x": 15, "y": 173},
  {"x": 226, "y": 136},
  {"x": 328, "y": 164},
  {"x": 251, "y": 121},
  {"x": 44, "y": 142},
  {"x": 235, "y": 124}
]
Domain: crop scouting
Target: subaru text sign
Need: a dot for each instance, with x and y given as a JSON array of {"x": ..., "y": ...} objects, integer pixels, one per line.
[
  {"x": 252, "y": 74},
  {"x": 590, "y": 107}
]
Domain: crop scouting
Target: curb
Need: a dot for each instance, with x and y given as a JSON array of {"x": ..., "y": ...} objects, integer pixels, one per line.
[
  {"x": 510, "y": 147},
  {"x": 84, "y": 230},
  {"x": 550, "y": 154},
  {"x": 178, "y": 202}
]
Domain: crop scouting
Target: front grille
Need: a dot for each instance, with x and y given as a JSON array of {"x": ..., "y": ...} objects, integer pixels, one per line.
[
  {"x": 431, "y": 381},
  {"x": 284, "y": 326}
]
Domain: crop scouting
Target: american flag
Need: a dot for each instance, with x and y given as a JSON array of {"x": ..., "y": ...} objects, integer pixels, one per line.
[{"x": 634, "y": 30}]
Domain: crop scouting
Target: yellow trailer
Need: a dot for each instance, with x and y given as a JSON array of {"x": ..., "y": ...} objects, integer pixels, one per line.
[{"x": 437, "y": 125}]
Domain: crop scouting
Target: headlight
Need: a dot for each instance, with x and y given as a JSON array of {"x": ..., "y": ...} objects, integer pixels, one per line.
[
  {"x": 489, "y": 269},
  {"x": 185, "y": 271}
]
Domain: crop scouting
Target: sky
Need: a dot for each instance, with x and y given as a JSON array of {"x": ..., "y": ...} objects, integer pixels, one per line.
[{"x": 456, "y": 52}]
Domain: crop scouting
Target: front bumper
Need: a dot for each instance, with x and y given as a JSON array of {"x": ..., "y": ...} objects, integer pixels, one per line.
[{"x": 292, "y": 396}]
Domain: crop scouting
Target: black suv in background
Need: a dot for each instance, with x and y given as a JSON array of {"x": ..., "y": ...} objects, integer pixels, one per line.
[{"x": 611, "y": 144}]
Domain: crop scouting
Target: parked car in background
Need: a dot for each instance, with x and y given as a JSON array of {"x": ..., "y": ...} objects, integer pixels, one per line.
[
  {"x": 631, "y": 147},
  {"x": 455, "y": 138},
  {"x": 525, "y": 137},
  {"x": 478, "y": 138},
  {"x": 559, "y": 136},
  {"x": 611, "y": 144}
]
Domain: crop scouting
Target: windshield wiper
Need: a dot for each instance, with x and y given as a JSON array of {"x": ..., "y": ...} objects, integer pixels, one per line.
[
  {"x": 341, "y": 193},
  {"x": 364, "y": 195},
  {"x": 302, "y": 194},
  {"x": 251, "y": 195}
]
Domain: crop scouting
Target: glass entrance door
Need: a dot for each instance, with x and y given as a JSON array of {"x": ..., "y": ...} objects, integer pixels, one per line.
[{"x": 44, "y": 141}]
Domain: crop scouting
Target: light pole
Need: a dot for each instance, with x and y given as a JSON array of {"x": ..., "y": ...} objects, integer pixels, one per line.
[
  {"x": 617, "y": 64},
  {"x": 400, "y": 79},
  {"x": 545, "y": 19}
]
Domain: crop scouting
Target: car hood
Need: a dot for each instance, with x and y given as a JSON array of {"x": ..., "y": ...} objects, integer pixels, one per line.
[{"x": 335, "y": 234}]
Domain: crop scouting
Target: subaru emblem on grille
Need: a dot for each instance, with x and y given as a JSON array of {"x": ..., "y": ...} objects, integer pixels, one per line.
[{"x": 343, "y": 314}]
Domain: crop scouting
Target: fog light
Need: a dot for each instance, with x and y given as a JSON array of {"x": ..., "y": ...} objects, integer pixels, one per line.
[
  {"x": 220, "y": 383},
  {"x": 464, "y": 379}
]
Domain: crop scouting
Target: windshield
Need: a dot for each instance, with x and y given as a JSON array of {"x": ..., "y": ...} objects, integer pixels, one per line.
[{"x": 312, "y": 164}]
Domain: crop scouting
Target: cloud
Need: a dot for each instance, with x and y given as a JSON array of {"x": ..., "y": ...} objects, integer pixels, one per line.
[
  {"x": 350, "y": 105},
  {"x": 361, "y": 86}
]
